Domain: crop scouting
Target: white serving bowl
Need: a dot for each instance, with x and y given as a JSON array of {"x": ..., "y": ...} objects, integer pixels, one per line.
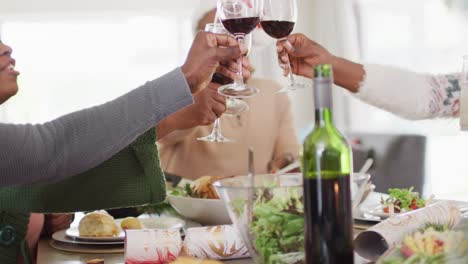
[{"x": 203, "y": 211}]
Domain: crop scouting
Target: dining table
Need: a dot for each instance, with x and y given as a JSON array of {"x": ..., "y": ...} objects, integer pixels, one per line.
[{"x": 47, "y": 254}]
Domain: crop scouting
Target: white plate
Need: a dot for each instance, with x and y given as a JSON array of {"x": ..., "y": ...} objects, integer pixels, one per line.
[
  {"x": 149, "y": 223},
  {"x": 62, "y": 237},
  {"x": 368, "y": 217},
  {"x": 87, "y": 249},
  {"x": 375, "y": 210},
  {"x": 203, "y": 211}
]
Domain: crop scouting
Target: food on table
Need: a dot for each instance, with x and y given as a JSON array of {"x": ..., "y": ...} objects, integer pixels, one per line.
[
  {"x": 131, "y": 223},
  {"x": 186, "y": 260},
  {"x": 277, "y": 227},
  {"x": 203, "y": 187},
  {"x": 433, "y": 244},
  {"x": 402, "y": 200},
  {"x": 98, "y": 224},
  {"x": 200, "y": 188},
  {"x": 95, "y": 261}
]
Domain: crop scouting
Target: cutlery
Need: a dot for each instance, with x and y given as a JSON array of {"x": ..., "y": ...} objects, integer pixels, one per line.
[
  {"x": 290, "y": 167},
  {"x": 360, "y": 193}
]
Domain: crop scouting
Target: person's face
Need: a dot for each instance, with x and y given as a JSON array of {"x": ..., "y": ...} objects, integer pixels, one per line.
[{"x": 8, "y": 75}]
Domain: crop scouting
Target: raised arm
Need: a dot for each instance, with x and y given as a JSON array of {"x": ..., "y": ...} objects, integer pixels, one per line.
[
  {"x": 79, "y": 141},
  {"x": 411, "y": 95},
  {"x": 407, "y": 94}
]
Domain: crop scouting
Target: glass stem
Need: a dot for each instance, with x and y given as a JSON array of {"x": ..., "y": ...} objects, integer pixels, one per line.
[
  {"x": 240, "y": 79},
  {"x": 217, "y": 126},
  {"x": 290, "y": 74}
]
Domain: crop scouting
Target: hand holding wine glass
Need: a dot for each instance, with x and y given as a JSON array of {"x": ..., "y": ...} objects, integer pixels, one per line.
[
  {"x": 303, "y": 54},
  {"x": 279, "y": 18},
  {"x": 211, "y": 52},
  {"x": 233, "y": 105},
  {"x": 239, "y": 17}
]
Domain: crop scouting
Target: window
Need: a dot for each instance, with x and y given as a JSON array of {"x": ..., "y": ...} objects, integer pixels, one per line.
[
  {"x": 424, "y": 36},
  {"x": 68, "y": 63}
]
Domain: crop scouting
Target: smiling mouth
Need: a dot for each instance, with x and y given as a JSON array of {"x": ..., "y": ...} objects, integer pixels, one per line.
[{"x": 10, "y": 68}]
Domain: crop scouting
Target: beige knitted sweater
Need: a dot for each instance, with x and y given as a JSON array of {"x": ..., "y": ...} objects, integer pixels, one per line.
[{"x": 267, "y": 127}]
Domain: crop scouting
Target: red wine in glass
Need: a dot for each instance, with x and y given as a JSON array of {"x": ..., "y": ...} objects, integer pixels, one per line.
[
  {"x": 243, "y": 25},
  {"x": 277, "y": 29}
]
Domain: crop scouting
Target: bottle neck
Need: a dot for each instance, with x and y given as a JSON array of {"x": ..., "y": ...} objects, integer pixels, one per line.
[
  {"x": 323, "y": 117},
  {"x": 323, "y": 101}
]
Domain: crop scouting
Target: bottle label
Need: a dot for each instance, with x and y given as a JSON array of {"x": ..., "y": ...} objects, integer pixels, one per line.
[{"x": 323, "y": 93}]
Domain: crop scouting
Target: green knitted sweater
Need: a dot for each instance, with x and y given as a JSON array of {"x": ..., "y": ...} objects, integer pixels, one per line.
[{"x": 131, "y": 177}]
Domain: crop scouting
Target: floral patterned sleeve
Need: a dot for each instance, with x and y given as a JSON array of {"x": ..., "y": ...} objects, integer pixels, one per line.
[
  {"x": 409, "y": 94},
  {"x": 446, "y": 90}
]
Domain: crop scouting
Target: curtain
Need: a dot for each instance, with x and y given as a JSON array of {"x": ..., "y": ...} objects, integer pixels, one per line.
[{"x": 332, "y": 23}]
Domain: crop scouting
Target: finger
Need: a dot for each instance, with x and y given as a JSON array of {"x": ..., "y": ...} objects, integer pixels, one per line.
[
  {"x": 246, "y": 62},
  {"x": 231, "y": 66},
  {"x": 208, "y": 120},
  {"x": 231, "y": 72},
  {"x": 234, "y": 67},
  {"x": 224, "y": 40},
  {"x": 279, "y": 46},
  {"x": 294, "y": 39},
  {"x": 218, "y": 98},
  {"x": 218, "y": 108},
  {"x": 289, "y": 47},
  {"x": 227, "y": 53}
]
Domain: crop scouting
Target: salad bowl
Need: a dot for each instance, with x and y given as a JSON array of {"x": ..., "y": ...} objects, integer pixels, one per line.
[
  {"x": 269, "y": 216},
  {"x": 203, "y": 211}
]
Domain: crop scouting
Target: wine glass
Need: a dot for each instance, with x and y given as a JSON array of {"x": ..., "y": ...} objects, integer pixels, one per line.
[
  {"x": 239, "y": 17},
  {"x": 279, "y": 18},
  {"x": 233, "y": 106}
]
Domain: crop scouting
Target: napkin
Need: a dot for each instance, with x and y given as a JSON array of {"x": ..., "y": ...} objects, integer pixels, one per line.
[
  {"x": 371, "y": 244},
  {"x": 152, "y": 246},
  {"x": 214, "y": 242}
]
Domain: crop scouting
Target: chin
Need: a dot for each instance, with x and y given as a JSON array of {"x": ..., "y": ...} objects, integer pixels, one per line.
[{"x": 7, "y": 93}]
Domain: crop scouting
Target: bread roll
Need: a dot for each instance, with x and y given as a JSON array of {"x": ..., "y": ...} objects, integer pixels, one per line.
[
  {"x": 98, "y": 224},
  {"x": 131, "y": 223}
]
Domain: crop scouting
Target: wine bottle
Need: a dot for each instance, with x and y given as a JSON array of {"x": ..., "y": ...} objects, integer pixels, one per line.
[{"x": 327, "y": 165}]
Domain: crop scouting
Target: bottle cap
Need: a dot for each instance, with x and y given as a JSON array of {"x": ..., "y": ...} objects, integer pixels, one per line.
[{"x": 323, "y": 71}]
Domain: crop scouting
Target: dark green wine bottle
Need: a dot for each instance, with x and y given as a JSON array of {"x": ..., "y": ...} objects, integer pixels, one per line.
[{"x": 327, "y": 165}]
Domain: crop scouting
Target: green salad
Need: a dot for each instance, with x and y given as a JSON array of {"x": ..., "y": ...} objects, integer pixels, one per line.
[
  {"x": 277, "y": 227},
  {"x": 402, "y": 200},
  {"x": 185, "y": 191}
]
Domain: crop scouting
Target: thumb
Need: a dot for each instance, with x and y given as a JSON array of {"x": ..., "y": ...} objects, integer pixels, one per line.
[{"x": 228, "y": 53}]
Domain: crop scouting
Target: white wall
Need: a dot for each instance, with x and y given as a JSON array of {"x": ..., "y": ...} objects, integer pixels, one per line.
[{"x": 71, "y": 6}]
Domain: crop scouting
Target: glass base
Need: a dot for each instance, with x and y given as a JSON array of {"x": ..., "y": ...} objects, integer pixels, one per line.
[
  {"x": 215, "y": 137},
  {"x": 237, "y": 91},
  {"x": 293, "y": 87},
  {"x": 236, "y": 106}
]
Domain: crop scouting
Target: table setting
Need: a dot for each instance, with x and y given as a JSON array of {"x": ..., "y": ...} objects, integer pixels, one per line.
[
  {"x": 328, "y": 213},
  {"x": 232, "y": 231}
]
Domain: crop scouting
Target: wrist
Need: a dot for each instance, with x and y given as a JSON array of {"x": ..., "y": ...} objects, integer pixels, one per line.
[
  {"x": 347, "y": 74},
  {"x": 191, "y": 80},
  {"x": 165, "y": 127}
]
